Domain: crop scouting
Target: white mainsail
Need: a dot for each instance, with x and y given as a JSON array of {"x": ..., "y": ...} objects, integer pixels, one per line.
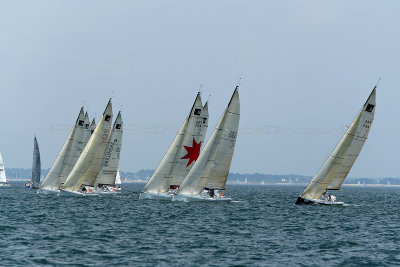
[
  {"x": 212, "y": 168},
  {"x": 338, "y": 165},
  {"x": 3, "y": 177},
  {"x": 109, "y": 166},
  {"x": 36, "y": 166},
  {"x": 88, "y": 164},
  {"x": 183, "y": 151},
  {"x": 66, "y": 158}
]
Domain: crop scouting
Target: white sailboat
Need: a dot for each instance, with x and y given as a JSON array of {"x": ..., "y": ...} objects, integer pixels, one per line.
[
  {"x": 118, "y": 181},
  {"x": 206, "y": 181},
  {"x": 180, "y": 156},
  {"x": 68, "y": 155},
  {"x": 106, "y": 178},
  {"x": 3, "y": 176},
  {"x": 340, "y": 162},
  {"x": 36, "y": 167},
  {"x": 86, "y": 168}
]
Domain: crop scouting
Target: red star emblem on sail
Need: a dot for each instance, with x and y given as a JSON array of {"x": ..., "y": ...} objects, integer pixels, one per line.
[{"x": 192, "y": 152}]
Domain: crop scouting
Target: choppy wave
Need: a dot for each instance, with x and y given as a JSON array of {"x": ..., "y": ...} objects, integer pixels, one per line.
[{"x": 261, "y": 227}]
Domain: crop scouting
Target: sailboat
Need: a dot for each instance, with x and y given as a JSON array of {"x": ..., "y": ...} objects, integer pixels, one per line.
[
  {"x": 180, "y": 156},
  {"x": 206, "y": 181},
  {"x": 68, "y": 155},
  {"x": 118, "y": 181},
  {"x": 106, "y": 178},
  {"x": 3, "y": 176},
  {"x": 85, "y": 170},
  {"x": 340, "y": 162},
  {"x": 35, "y": 180}
]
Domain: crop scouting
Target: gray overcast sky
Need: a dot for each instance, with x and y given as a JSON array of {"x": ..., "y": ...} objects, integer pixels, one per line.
[{"x": 307, "y": 67}]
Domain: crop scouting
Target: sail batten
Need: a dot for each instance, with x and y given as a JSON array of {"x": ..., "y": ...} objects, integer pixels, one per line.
[{"x": 338, "y": 165}]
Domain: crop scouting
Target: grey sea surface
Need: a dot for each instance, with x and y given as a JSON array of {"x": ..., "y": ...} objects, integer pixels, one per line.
[{"x": 261, "y": 227}]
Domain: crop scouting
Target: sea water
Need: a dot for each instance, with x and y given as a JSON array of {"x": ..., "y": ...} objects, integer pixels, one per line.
[{"x": 261, "y": 227}]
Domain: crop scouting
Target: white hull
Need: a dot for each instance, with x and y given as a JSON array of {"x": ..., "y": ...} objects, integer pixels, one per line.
[
  {"x": 48, "y": 191},
  {"x": 322, "y": 202},
  {"x": 5, "y": 185},
  {"x": 156, "y": 196},
  {"x": 187, "y": 198},
  {"x": 75, "y": 193}
]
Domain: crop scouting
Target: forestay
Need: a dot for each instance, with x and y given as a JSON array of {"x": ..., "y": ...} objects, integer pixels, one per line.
[
  {"x": 109, "y": 166},
  {"x": 212, "y": 168},
  {"x": 338, "y": 165},
  {"x": 88, "y": 164},
  {"x": 183, "y": 151}
]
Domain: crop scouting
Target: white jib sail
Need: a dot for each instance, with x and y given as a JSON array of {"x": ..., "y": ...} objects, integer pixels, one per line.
[
  {"x": 58, "y": 174},
  {"x": 212, "y": 168},
  {"x": 3, "y": 177},
  {"x": 109, "y": 166},
  {"x": 183, "y": 151},
  {"x": 88, "y": 164},
  {"x": 338, "y": 165}
]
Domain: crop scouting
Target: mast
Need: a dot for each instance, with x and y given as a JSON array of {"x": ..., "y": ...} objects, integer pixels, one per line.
[
  {"x": 212, "y": 168},
  {"x": 336, "y": 168}
]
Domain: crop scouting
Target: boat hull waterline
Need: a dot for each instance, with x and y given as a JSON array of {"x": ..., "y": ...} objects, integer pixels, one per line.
[{"x": 306, "y": 201}]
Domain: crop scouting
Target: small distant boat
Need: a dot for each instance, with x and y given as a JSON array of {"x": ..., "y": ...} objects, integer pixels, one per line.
[
  {"x": 35, "y": 180},
  {"x": 206, "y": 181},
  {"x": 118, "y": 181},
  {"x": 181, "y": 155},
  {"x": 262, "y": 182},
  {"x": 3, "y": 176},
  {"x": 245, "y": 180},
  {"x": 336, "y": 168},
  {"x": 364, "y": 183}
]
